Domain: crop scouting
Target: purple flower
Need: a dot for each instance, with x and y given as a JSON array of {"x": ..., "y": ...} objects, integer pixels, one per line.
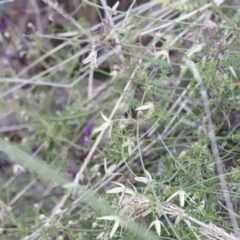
[
  {"x": 22, "y": 11},
  {"x": 12, "y": 56},
  {"x": 86, "y": 139},
  {"x": 72, "y": 173},
  {"x": 3, "y": 24},
  {"x": 87, "y": 130}
]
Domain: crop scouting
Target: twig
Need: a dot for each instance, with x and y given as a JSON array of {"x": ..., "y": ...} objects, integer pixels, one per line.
[
  {"x": 22, "y": 192},
  {"x": 88, "y": 158},
  {"x": 206, "y": 229},
  {"x": 189, "y": 15},
  {"x": 58, "y": 9},
  {"x": 15, "y": 128},
  {"x": 115, "y": 35},
  {"x": 99, "y": 138},
  {"x": 234, "y": 129},
  {"x": 25, "y": 70},
  {"x": 38, "y": 16},
  {"x": 127, "y": 15},
  {"x": 90, "y": 80},
  {"x": 214, "y": 146}
]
